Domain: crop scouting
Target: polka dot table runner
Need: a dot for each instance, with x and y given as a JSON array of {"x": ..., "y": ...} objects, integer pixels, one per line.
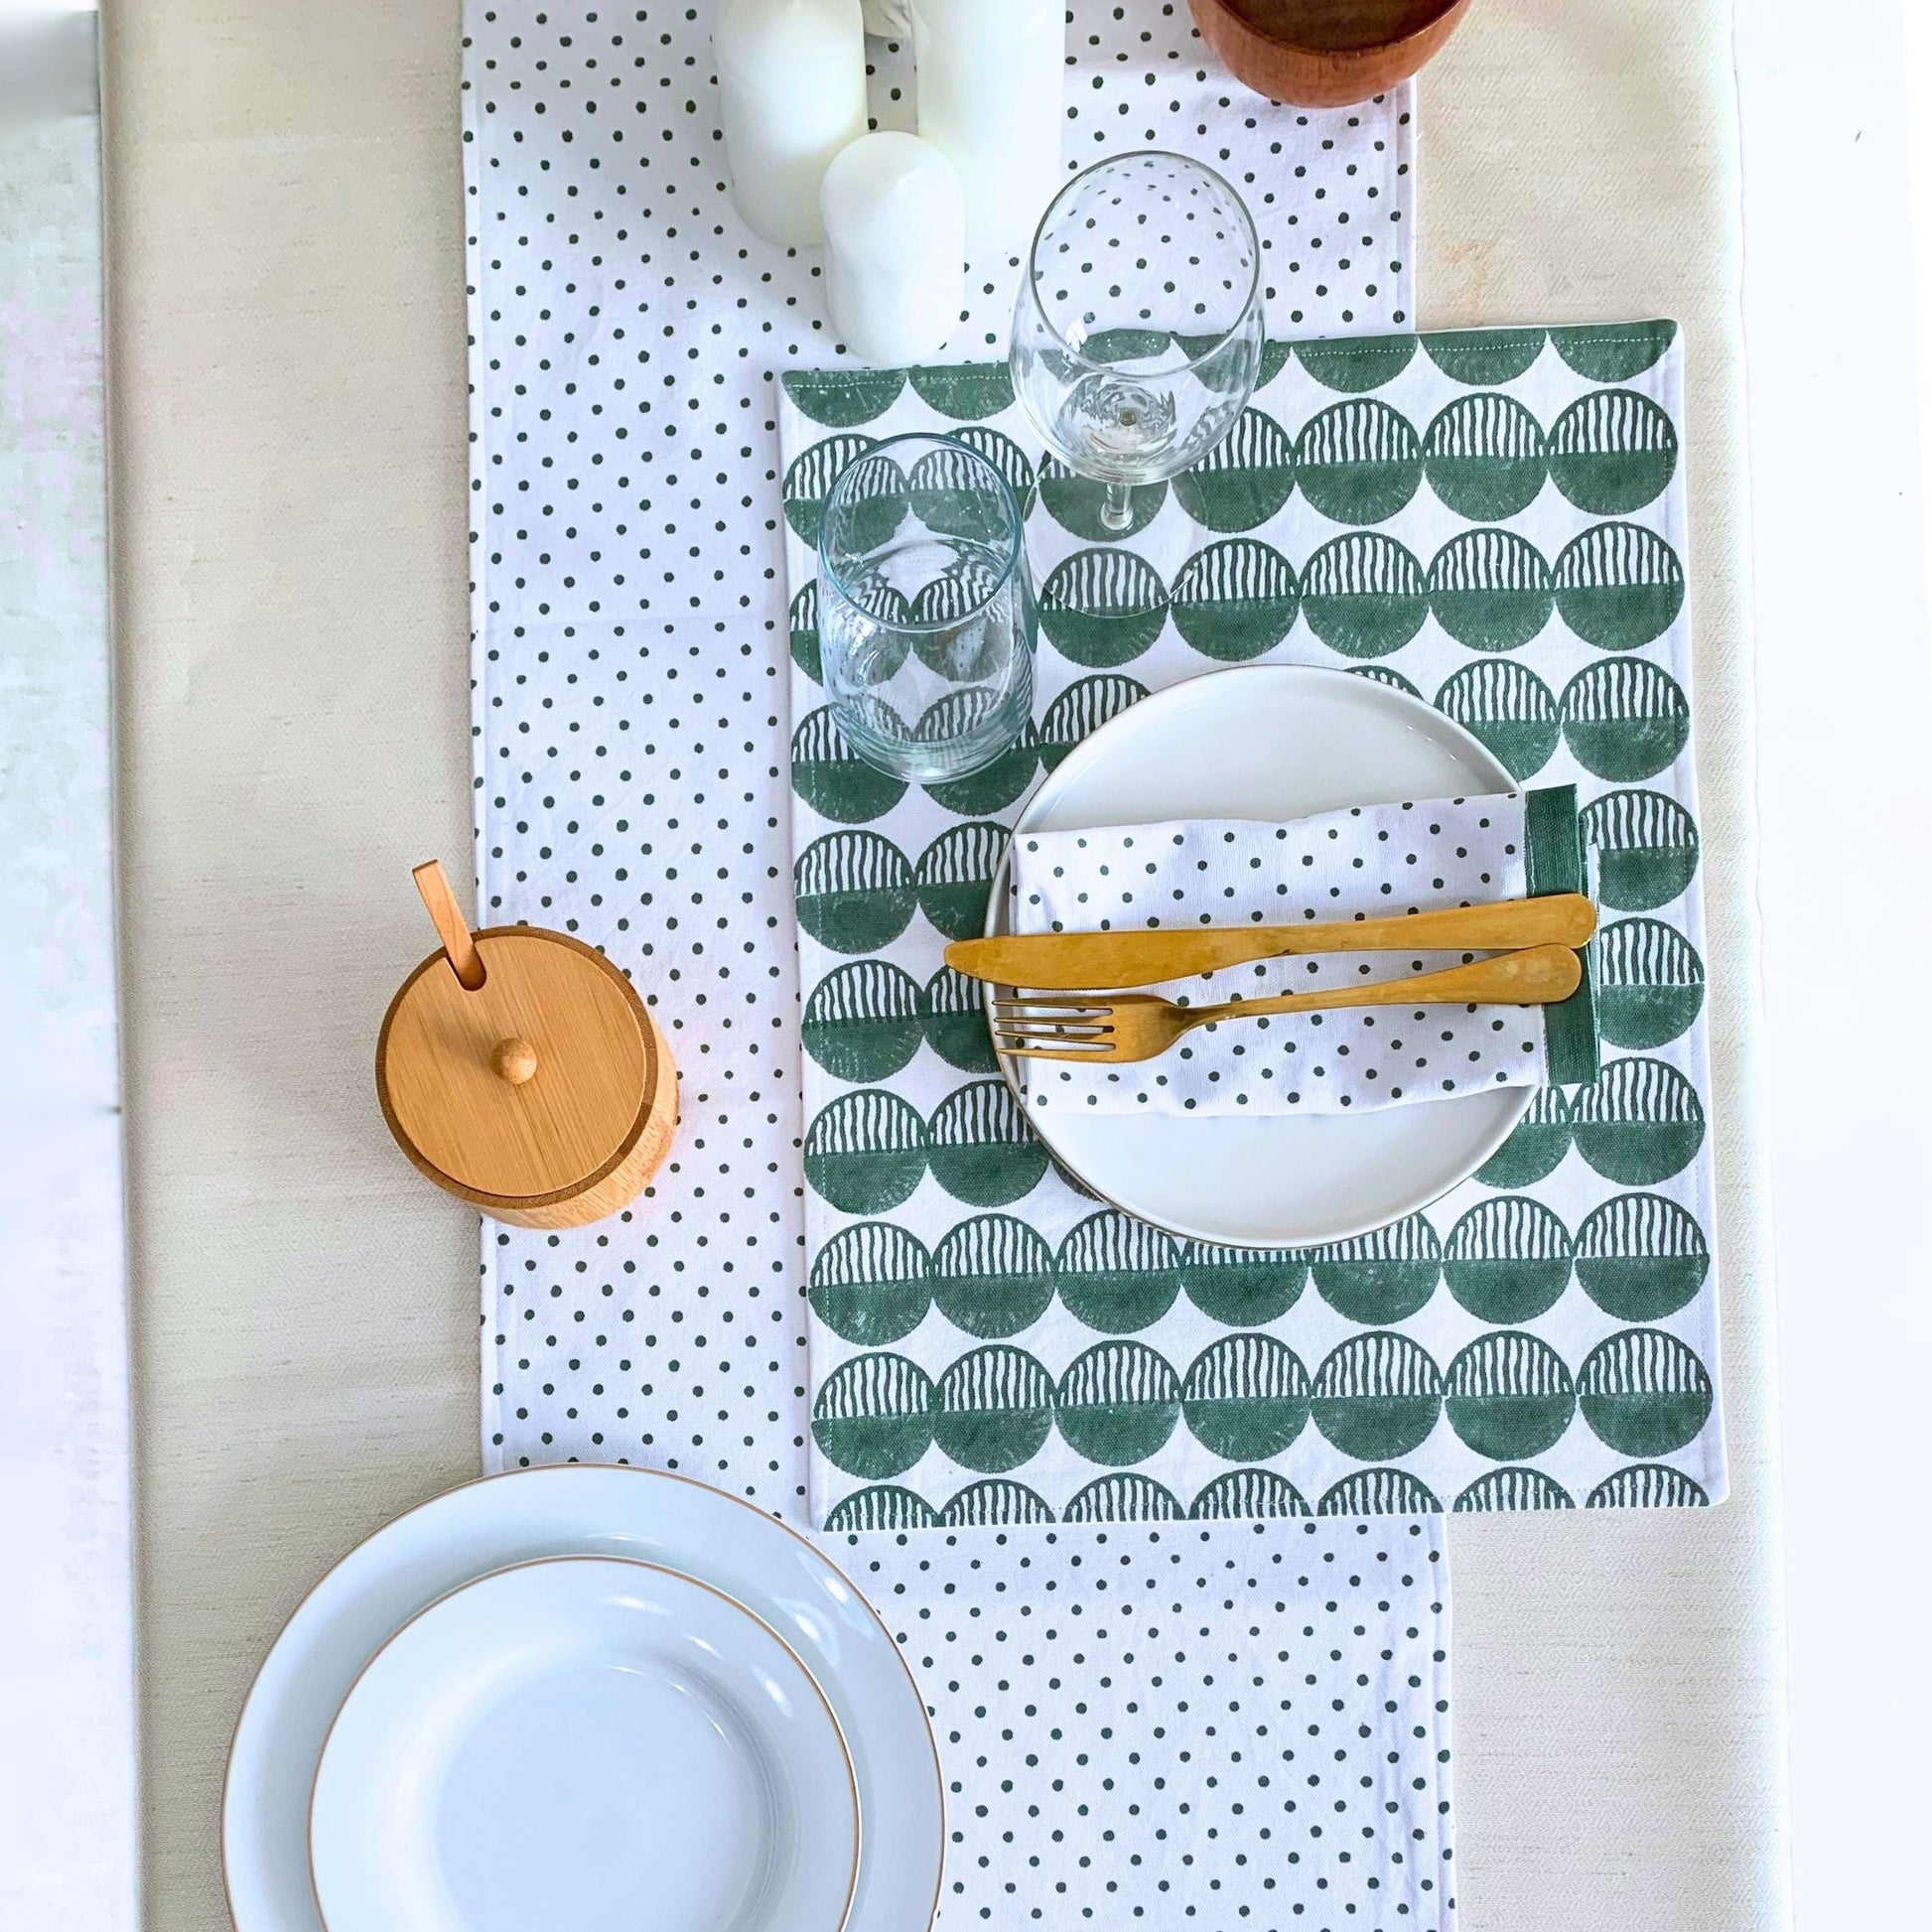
[
  {"x": 1493, "y": 521},
  {"x": 1241, "y": 1724}
]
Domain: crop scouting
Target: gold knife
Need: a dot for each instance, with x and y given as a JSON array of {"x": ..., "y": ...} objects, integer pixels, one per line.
[{"x": 1082, "y": 961}]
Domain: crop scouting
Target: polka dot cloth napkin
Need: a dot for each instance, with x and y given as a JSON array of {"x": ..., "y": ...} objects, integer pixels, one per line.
[
  {"x": 1443, "y": 852},
  {"x": 1261, "y": 1729}
]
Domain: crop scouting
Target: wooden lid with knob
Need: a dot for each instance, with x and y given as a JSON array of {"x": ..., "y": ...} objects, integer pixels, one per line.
[{"x": 518, "y": 1069}]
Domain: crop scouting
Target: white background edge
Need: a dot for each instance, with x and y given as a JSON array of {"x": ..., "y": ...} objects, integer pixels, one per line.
[{"x": 1844, "y": 721}]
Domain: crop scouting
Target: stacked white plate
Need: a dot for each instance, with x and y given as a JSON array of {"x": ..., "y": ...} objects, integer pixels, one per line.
[{"x": 583, "y": 1699}]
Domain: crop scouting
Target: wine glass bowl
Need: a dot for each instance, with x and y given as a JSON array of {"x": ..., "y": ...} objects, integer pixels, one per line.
[{"x": 1137, "y": 332}]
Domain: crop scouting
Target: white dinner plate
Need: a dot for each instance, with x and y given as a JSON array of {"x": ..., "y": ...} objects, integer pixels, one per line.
[
  {"x": 581, "y": 1509},
  {"x": 1267, "y": 741},
  {"x": 587, "y": 1744}
]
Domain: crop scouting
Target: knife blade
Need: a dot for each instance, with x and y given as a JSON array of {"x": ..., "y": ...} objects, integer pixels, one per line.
[{"x": 1076, "y": 961}]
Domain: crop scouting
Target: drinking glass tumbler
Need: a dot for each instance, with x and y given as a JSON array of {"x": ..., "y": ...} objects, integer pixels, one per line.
[
  {"x": 925, "y": 610},
  {"x": 1137, "y": 332}
]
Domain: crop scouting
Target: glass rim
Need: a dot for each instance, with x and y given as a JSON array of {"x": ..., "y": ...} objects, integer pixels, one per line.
[
  {"x": 1016, "y": 542},
  {"x": 1029, "y": 290}
]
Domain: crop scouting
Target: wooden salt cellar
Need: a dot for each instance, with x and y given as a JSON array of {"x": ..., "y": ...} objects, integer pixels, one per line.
[{"x": 518, "y": 1069}]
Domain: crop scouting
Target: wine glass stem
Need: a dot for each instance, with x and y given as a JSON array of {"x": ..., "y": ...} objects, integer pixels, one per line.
[{"x": 1116, "y": 511}]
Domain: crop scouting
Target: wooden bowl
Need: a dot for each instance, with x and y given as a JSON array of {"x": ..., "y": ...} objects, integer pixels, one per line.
[{"x": 1325, "y": 53}]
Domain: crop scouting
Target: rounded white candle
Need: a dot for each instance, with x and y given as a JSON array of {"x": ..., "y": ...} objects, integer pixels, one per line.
[
  {"x": 895, "y": 247},
  {"x": 791, "y": 85},
  {"x": 991, "y": 78}
]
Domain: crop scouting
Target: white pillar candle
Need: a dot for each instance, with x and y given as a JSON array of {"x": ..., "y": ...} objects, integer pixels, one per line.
[
  {"x": 792, "y": 85},
  {"x": 896, "y": 249},
  {"x": 991, "y": 75}
]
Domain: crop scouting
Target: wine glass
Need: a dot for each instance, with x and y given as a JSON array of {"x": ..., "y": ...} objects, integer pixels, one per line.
[
  {"x": 925, "y": 611},
  {"x": 1137, "y": 333}
]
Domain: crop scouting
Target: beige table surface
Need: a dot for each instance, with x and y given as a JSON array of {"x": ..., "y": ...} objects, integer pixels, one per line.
[{"x": 287, "y": 349}]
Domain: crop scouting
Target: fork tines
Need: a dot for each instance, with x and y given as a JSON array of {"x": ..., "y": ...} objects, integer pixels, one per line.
[{"x": 1069, "y": 1025}]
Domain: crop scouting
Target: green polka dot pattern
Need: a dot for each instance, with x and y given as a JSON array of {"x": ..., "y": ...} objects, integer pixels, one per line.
[{"x": 1491, "y": 521}]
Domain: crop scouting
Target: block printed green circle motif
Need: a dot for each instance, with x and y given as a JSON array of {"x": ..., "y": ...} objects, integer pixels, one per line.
[
  {"x": 1075, "y": 502},
  {"x": 1082, "y": 709},
  {"x": 1642, "y": 1257},
  {"x": 844, "y": 398},
  {"x": 996, "y": 1410},
  {"x": 1242, "y": 1495},
  {"x": 872, "y": 1416},
  {"x": 1484, "y": 456},
  {"x": 992, "y": 1276},
  {"x": 1102, "y": 608},
  {"x": 1117, "y": 1404},
  {"x": 1490, "y": 590},
  {"x": 1536, "y": 1144},
  {"x": 1246, "y": 1398},
  {"x": 810, "y": 478},
  {"x": 1006, "y": 456},
  {"x": 869, "y": 1283},
  {"x": 863, "y": 1021},
  {"x": 1512, "y": 1489},
  {"x": 1644, "y": 1393},
  {"x": 1117, "y": 1273},
  {"x": 954, "y": 1022},
  {"x": 1613, "y": 351},
  {"x": 1639, "y": 1123},
  {"x": 1648, "y": 1485},
  {"x": 981, "y": 1148},
  {"x": 994, "y": 786},
  {"x": 1380, "y": 1277},
  {"x": 804, "y": 632},
  {"x": 1243, "y": 481},
  {"x": 1482, "y": 358},
  {"x": 1358, "y": 462},
  {"x": 883, "y": 1507},
  {"x": 968, "y": 392},
  {"x": 1377, "y": 1396},
  {"x": 833, "y": 779},
  {"x": 1624, "y": 718},
  {"x": 875, "y": 499},
  {"x": 1364, "y": 595},
  {"x": 1646, "y": 848},
  {"x": 1124, "y": 1499},
  {"x": 865, "y": 1152},
  {"x": 1382, "y": 675},
  {"x": 1618, "y": 586},
  {"x": 1508, "y": 1396},
  {"x": 1649, "y": 983},
  {"x": 1235, "y": 600},
  {"x": 947, "y": 492},
  {"x": 955, "y": 873},
  {"x": 853, "y": 892},
  {"x": 1242, "y": 1287},
  {"x": 1378, "y": 1492},
  {"x": 1353, "y": 367},
  {"x": 1509, "y": 708},
  {"x": 1612, "y": 452},
  {"x": 996, "y": 1504},
  {"x": 1507, "y": 1259}
]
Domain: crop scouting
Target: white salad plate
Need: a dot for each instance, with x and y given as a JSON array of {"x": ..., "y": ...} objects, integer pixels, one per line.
[
  {"x": 1268, "y": 742},
  {"x": 588, "y": 1744},
  {"x": 597, "y": 1511}
]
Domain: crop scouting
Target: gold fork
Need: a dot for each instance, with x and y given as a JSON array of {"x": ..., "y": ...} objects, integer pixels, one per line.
[{"x": 1140, "y": 1026}]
